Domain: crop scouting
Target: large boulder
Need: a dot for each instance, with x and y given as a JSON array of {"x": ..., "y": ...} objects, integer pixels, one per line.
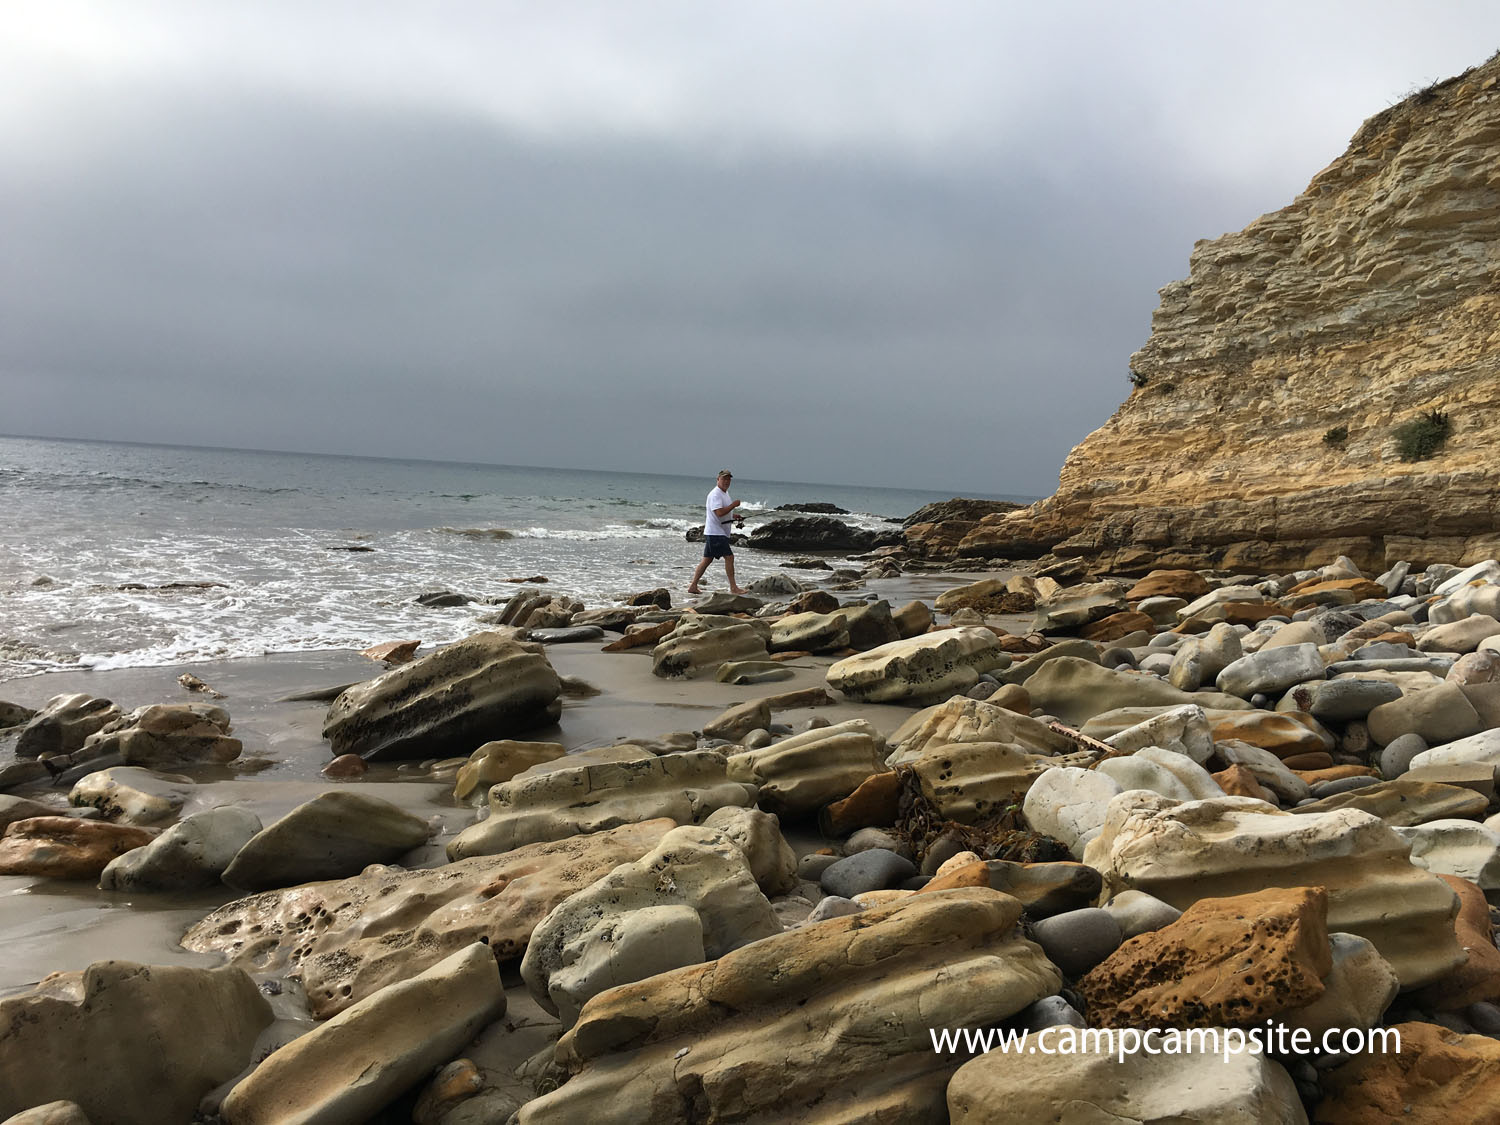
[
  {"x": 1185, "y": 851},
  {"x": 63, "y": 725},
  {"x": 353, "y": 1066},
  {"x": 962, "y": 719},
  {"x": 685, "y": 652},
  {"x": 801, "y": 774},
  {"x": 819, "y": 533},
  {"x": 712, "y": 1041},
  {"x": 334, "y": 835},
  {"x": 350, "y": 938},
  {"x": 482, "y": 688},
  {"x": 133, "y": 1044},
  {"x": 167, "y": 736},
  {"x": 692, "y": 898},
  {"x": 1189, "y": 973},
  {"x": 567, "y": 800},
  {"x": 66, "y": 847},
  {"x": 192, "y": 853},
  {"x": 925, "y": 668},
  {"x": 969, "y": 781},
  {"x": 499, "y": 761}
]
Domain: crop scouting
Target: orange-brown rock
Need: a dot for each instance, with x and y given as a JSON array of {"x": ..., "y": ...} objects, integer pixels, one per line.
[
  {"x": 1013, "y": 697},
  {"x": 1252, "y": 613},
  {"x": 1478, "y": 978},
  {"x": 393, "y": 652},
  {"x": 1317, "y": 760},
  {"x": 976, "y": 874},
  {"x": 1226, "y": 961},
  {"x": 1261, "y": 435},
  {"x": 1361, "y": 588},
  {"x": 65, "y": 847},
  {"x": 875, "y": 804},
  {"x": 1438, "y": 1077},
  {"x": 640, "y": 636},
  {"x": 1336, "y": 773},
  {"x": 1116, "y": 625},
  {"x": 1237, "y": 781},
  {"x": 814, "y": 601},
  {"x": 1024, "y": 645},
  {"x": 1283, "y": 733},
  {"x": 346, "y": 765},
  {"x": 1394, "y": 639},
  {"x": 1186, "y": 584}
]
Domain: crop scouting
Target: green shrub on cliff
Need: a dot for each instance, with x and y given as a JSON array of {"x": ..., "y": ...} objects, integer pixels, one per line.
[
  {"x": 1422, "y": 437},
  {"x": 1336, "y": 436}
]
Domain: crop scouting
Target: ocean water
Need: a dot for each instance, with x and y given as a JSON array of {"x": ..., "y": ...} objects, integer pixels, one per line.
[{"x": 116, "y": 555}]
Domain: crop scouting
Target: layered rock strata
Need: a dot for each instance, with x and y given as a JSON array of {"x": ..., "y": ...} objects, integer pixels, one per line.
[{"x": 1261, "y": 433}]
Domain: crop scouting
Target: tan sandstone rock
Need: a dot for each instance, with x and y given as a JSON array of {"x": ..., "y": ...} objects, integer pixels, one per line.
[
  {"x": 352, "y": 1066},
  {"x": 134, "y": 1044},
  {"x": 714, "y": 1040},
  {"x": 568, "y": 800},
  {"x": 1183, "y": 852},
  {"x": 349, "y": 938},
  {"x": 1437, "y": 1077},
  {"x": 801, "y": 774}
]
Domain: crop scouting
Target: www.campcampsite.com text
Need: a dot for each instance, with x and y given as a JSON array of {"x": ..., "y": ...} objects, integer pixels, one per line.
[{"x": 1123, "y": 1042}]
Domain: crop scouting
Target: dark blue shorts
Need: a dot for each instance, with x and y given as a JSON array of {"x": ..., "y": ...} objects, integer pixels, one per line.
[{"x": 716, "y": 547}]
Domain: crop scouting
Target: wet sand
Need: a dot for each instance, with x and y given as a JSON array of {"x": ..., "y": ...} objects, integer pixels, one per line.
[{"x": 48, "y": 925}]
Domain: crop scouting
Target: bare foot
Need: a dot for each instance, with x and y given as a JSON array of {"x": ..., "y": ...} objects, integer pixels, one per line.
[
  {"x": 694, "y": 590},
  {"x": 735, "y": 590}
]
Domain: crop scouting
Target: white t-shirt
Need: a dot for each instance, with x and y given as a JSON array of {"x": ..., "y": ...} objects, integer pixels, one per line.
[{"x": 714, "y": 524}]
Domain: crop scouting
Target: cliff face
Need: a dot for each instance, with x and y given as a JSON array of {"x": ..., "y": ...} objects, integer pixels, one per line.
[{"x": 1373, "y": 298}]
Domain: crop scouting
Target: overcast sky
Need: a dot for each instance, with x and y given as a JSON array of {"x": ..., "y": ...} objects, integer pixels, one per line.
[{"x": 851, "y": 241}]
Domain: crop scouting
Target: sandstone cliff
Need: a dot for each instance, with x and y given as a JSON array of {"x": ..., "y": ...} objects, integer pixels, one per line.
[{"x": 1372, "y": 298}]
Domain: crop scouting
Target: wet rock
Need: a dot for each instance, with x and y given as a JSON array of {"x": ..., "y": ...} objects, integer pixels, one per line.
[
  {"x": 448, "y": 703},
  {"x": 725, "y": 1029},
  {"x": 132, "y": 795},
  {"x": 167, "y": 736},
  {"x": 133, "y": 1044},
  {"x": 351, "y": 1067},
  {"x": 336, "y": 834},
  {"x": 13, "y": 809},
  {"x": 63, "y": 724},
  {"x": 191, "y": 854},
  {"x": 66, "y": 847},
  {"x": 737, "y": 721},
  {"x": 346, "y": 765},
  {"x": 571, "y": 799},
  {"x": 393, "y": 652},
  {"x": 752, "y": 672},
  {"x": 686, "y": 653},
  {"x": 352, "y": 937}
]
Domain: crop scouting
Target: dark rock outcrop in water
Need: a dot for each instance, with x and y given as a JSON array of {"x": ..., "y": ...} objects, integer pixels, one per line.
[
  {"x": 815, "y": 507},
  {"x": 1269, "y": 424},
  {"x": 819, "y": 533}
]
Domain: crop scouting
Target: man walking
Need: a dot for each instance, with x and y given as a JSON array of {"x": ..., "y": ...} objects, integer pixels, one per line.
[{"x": 716, "y": 525}]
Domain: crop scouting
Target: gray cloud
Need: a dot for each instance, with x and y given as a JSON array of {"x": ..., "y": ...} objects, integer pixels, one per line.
[{"x": 842, "y": 242}]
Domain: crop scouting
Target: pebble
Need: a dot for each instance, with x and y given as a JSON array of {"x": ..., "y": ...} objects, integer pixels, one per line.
[
  {"x": 1051, "y": 1011},
  {"x": 875, "y": 838},
  {"x": 872, "y": 870},
  {"x": 1485, "y": 1017}
]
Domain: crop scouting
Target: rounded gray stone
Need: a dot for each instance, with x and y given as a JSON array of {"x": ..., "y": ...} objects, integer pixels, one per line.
[
  {"x": 1078, "y": 940},
  {"x": 811, "y": 867},
  {"x": 1342, "y": 785},
  {"x": 867, "y": 838},
  {"x": 1341, "y": 700},
  {"x": 1396, "y": 758},
  {"x": 876, "y": 869},
  {"x": 1051, "y": 1011}
]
